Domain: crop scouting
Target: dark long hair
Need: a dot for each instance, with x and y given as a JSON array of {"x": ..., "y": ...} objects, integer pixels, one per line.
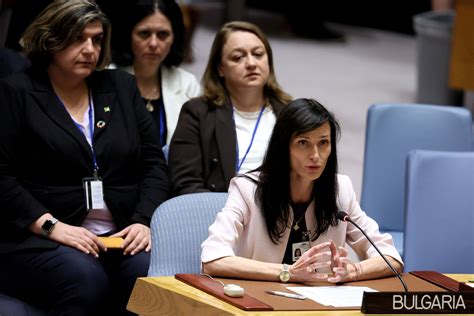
[
  {"x": 133, "y": 11},
  {"x": 273, "y": 186}
]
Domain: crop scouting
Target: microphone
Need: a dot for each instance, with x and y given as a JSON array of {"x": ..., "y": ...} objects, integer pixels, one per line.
[{"x": 343, "y": 216}]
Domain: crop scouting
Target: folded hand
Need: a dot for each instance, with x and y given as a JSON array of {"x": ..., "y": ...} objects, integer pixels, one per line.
[
  {"x": 137, "y": 237},
  {"x": 77, "y": 237}
]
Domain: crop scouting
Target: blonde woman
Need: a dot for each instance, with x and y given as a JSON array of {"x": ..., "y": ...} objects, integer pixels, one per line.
[{"x": 226, "y": 131}]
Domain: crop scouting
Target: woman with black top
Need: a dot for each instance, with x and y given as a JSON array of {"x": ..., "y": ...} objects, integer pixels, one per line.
[
  {"x": 148, "y": 41},
  {"x": 79, "y": 159}
]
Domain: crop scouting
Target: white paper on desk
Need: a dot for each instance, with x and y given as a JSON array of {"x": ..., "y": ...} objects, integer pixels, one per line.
[{"x": 337, "y": 296}]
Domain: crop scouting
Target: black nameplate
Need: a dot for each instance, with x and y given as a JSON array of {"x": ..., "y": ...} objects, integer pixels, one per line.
[{"x": 418, "y": 303}]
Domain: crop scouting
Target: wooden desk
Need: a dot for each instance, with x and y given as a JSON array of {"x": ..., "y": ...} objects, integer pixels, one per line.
[{"x": 168, "y": 296}]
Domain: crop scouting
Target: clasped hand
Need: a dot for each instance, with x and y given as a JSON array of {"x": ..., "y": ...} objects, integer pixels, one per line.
[
  {"x": 136, "y": 239},
  {"x": 331, "y": 261}
]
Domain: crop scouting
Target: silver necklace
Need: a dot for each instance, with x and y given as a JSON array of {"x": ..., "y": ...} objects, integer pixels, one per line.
[{"x": 149, "y": 106}]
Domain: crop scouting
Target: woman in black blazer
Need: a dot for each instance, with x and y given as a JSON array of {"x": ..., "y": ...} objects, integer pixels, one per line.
[
  {"x": 79, "y": 158},
  {"x": 227, "y": 130}
]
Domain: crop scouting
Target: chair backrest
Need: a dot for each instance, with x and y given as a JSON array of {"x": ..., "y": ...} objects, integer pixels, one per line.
[
  {"x": 439, "y": 216},
  {"x": 178, "y": 227},
  {"x": 392, "y": 131}
]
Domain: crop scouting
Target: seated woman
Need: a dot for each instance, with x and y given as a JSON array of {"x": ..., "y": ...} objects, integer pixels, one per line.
[
  {"x": 291, "y": 202},
  {"x": 226, "y": 131},
  {"x": 149, "y": 41},
  {"x": 79, "y": 158}
]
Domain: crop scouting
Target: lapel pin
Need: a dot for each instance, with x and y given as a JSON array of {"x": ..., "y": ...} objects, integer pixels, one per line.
[
  {"x": 106, "y": 109},
  {"x": 100, "y": 124}
]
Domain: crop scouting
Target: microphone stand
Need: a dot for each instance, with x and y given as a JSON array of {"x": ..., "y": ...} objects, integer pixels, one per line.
[
  {"x": 348, "y": 219},
  {"x": 406, "y": 302}
]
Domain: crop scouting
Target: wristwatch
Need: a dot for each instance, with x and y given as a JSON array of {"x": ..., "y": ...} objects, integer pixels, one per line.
[
  {"x": 48, "y": 226},
  {"x": 284, "y": 274}
]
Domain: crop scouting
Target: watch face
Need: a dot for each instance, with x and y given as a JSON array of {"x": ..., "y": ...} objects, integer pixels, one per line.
[
  {"x": 284, "y": 276},
  {"x": 47, "y": 225}
]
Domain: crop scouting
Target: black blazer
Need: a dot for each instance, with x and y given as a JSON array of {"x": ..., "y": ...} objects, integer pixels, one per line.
[
  {"x": 202, "y": 152},
  {"x": 44, "y": 156}
]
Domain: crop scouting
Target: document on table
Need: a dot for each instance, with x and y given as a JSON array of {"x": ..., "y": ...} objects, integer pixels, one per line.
[{"x": 337, "y": 296}]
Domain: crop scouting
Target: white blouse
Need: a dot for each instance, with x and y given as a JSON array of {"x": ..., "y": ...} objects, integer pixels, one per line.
[{"x": 245, "y": 123}]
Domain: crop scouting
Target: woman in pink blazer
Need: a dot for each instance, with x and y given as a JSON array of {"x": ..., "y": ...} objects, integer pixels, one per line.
[{"x": 290, "y": 202}]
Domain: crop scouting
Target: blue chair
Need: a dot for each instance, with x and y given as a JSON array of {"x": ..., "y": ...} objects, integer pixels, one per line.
[
  {"x": 392, "y": 131},
  {"x": 439, "y": 218},
  {"x": 178, "y": 227}
]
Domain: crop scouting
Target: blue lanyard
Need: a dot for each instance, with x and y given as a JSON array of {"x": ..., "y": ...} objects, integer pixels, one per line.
[
  {"x": 237, "y": 165},
  {"x": 162, "y": 124},
  {"x": 91, "y": 131}
]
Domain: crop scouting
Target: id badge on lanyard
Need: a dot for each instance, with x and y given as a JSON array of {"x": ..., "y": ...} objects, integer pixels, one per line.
[
  {"x": 94, "y": 192},
  {"x": 299, "y": 248},
  {"x": 93, "y": 187}
]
